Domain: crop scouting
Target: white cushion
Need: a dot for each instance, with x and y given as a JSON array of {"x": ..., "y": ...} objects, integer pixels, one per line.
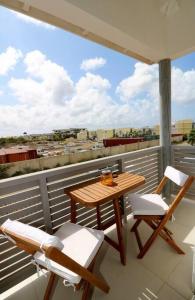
[
  {"x": 32, "y": 233},
  {"x": 148, "y": 204},
  {"x": 80, "y": 243},
  {"x": 176, "y": 176}
]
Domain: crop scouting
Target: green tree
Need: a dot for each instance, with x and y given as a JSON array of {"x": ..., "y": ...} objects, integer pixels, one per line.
[
  {"x": 58, "y": 136},
  {"x": 134, "y": 133},
  {"x": 191, "y": 137}
]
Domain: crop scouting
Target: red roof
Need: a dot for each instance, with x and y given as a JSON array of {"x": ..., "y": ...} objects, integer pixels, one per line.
[{"x": 14, "y": 150}]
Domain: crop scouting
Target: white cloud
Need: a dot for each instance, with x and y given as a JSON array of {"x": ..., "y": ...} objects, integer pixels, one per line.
[
  {"x": 47, "y": 98},
  {"x": 92, "y": 82},
  {"x": 1, "y": 92},
  {"x": 144, "y": 80},
  {"x": 46, "y": 82},
  {"x": 93, "y": 63},
  {"x": 183, "y": 86},
  {"x": 9, "y": 59},
  {"x": 89, "y": 106},
  {"x": 31, "y": 20}
]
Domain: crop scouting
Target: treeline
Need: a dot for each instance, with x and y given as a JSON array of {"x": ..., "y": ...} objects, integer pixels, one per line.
[{"x": 12, "y": 140}]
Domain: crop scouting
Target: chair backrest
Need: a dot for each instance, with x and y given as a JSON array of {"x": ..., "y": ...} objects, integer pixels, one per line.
[
  {"x": 181, "y": 194},
  {"x": 176, "y": 176},
  {"x": 181, "y": 179},
  {"x": 32, "y": 242},
  {"x": 25, "y": 234}
]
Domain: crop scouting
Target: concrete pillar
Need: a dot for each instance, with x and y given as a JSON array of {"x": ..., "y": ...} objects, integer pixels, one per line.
[{"x": 165, "y": 114}]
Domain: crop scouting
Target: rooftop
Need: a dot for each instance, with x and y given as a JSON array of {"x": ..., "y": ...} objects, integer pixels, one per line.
[{"x": 16, "y": 149}]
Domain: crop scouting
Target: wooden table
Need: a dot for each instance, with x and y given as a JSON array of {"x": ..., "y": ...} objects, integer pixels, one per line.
[{"x": 94, "y": 193}]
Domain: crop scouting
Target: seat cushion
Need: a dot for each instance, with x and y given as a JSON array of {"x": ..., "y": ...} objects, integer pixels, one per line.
[
  {"x": 80, "y": 243},
  {"x": 148, "y": 204}
]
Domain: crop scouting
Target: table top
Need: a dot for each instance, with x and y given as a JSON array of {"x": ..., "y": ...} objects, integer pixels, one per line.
[{"x": 95, "y": 193}]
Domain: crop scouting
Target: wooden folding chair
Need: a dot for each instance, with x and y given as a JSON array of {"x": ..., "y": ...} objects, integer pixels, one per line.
[
  {"x": 70, "y": 253},
  {"x": 154, "y": 211}
]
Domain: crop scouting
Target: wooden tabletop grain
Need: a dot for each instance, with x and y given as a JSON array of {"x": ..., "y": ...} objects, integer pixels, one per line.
[{"x": 95, "y": 193}]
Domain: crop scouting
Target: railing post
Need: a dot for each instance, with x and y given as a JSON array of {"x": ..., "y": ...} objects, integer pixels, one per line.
[{"x": 45, "y": 203}]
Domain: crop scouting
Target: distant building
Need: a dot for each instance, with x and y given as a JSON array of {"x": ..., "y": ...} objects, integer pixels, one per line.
[
  {"x": 104, "y": 134},
  {"x": 183, "y": 126},
  {"x": 156, "y": 129},
  {"x": 13, "y": 154},
  {"x": 70, "y": 132},
  {"x": 92, "y": 134},
  {"x": 82, "y": 135},
  {"x": 121, "y": 132}
]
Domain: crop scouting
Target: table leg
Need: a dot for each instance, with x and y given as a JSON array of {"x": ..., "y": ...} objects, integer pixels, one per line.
[
  {"x": 124, "y": 210},
  {"x": 98, "y": 213},
  {"x": 73, "y": 211},
  {"x": 119, "y": 230}
]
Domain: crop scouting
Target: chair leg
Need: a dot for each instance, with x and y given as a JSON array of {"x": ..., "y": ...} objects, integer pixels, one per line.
[
  {"x": 86, "y": 291},
  {"x": 119, "y": 231},
  {"x": 49, "y": 286},
  {"x": 151, "y": 239},
  {"x": 166, "y": 237},
  {"x": 136, "y": 225},
  {"x": 147, "y": 245},
  {"x": 139, "y": 242},
  {"x": 172, "y": 243},
  {"x": 157, "y": 231},
  {"x": 87, "y": 285},
  {"x": 168, "y": 231}
]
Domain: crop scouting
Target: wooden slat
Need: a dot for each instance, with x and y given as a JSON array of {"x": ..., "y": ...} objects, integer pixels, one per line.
[{"x": 124, "y": 182}]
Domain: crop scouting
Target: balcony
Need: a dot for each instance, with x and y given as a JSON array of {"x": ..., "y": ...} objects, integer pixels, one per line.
[{"x": 38, "y": 199}]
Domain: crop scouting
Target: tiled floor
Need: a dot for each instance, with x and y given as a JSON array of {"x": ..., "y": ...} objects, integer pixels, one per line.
[{"x": 161, "y": 274}]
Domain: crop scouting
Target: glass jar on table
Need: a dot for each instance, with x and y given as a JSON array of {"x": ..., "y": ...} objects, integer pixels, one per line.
[{"x": 106, "y": 177}]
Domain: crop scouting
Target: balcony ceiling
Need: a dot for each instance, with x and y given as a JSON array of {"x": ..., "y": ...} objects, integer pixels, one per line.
[{"x": 149, "y": 30}]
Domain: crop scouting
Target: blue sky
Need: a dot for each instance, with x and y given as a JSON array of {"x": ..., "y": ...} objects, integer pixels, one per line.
[{"x": 45, "y": 87}]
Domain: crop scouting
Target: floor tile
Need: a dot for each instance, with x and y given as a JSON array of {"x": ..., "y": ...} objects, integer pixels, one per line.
[{"x": 167, "y": 293}]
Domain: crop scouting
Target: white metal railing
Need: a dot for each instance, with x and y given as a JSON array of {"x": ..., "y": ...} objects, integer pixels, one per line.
[
  {"x": 38, "y": 199},
  {"x": 184, "y": 159}
]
